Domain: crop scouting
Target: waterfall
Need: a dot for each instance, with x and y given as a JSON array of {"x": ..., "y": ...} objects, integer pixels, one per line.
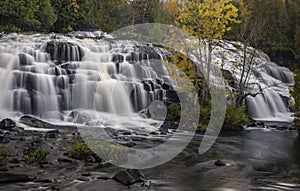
[
  {"x": 268, "y": 106},
  {"x": 50, "y": 76},
  {"x": 268, "y": 81}
]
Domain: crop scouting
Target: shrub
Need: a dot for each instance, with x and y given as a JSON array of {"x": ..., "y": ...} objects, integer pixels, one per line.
[
  {"x": 235, "y": 117},
  {"x": 202, "y": 127},
  {"x": 38, "y": 139},
  {"x": 296, "y": 122},
  {"x": 83, "y": 150},
  {"x": 107, "y": 150},
  {"x": 36, "y": 156},
  {"x": 4, "y": 154},
  {"x": 205, "y": 112},
  {"x": 174, "y": 112},
  {"x": 80, "y": 151}
]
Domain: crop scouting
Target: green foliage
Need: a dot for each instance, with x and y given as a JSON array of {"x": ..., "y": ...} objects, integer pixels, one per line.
[
  {"x": 9, "y": 27},
  {"x": 80, "y": 151},
  {"x": 207, "y": 19},
  {"x": 107, "y": 150},
  {"x": 270, "y": 25},
  {"x": 38, "y": 139},
  {"x": 205, "y": 112},
  {"x": 46, "y": 15},
  {"x": 4, "y": 154},
  {"x": 235, "y": 117},
  {"x": 36, "y": 156},
  {"x": 174, "y": 113},
  {"x": 113, "y": 15},
  {"x": 296, "y": 95}
]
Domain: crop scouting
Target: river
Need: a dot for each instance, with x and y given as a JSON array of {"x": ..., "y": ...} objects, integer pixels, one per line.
[{"x": 257, "y": 159}]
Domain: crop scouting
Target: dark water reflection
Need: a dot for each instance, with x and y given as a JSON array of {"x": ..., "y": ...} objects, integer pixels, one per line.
[{"x": 258, "y": 159}]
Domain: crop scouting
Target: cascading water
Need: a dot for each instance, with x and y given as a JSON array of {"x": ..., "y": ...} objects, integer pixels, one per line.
[
  {"x": 268, "y": 81},
  {"x": 50, "y": 76},
  {"x": 54, "y": 76}
]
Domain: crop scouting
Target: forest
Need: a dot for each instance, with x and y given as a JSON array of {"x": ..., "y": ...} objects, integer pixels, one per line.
[{"x": 270, "y": 25}]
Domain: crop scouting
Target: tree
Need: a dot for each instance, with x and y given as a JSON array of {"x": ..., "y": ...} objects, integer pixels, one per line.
[
  {"x": 65, "y": 15},
  {"x": 293, "y": 8},
  {"x": 46, "y": 15},
  {"x": 277, "y": 40},
  {"x": 113, "y": 15},
  {"x": 171, "y": 11},
  {"x": 146, "y": 11},
  {"x": 19, "y": 15},
  {"x": 208, "y": 21},
  {"x": 250, "y": 32}
]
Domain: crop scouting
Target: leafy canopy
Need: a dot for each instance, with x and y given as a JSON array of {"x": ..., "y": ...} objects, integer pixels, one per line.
[{"x": 207, "y": 19}]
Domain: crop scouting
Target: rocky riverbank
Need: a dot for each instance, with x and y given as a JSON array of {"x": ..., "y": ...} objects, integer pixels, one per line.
[{"x": 37, "y": 155}]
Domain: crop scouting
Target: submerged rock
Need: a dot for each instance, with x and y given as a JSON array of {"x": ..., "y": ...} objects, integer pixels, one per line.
[{"x": 220, "y": 163}]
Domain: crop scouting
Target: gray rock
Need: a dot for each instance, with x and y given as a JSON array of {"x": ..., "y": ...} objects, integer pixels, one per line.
[
  {"x": 220, "y": 163},
  {"x": 52, "y": 134},
  {"x": 90, "y": 159},
  {"x": 124, "y": 177},
  {"x": 137, "y": 175},
  {"x": 45, "y": 181},
  {"x": 14, "y": 161},
  {"x": 4, "y": 139},
  {"x": 66, "y": 160},
  {"x": 7, "y": 177},
  {"x": 35, "y": 122},
  {"x": 129, "y": 177},
  {"x": 7, "y": 124}
]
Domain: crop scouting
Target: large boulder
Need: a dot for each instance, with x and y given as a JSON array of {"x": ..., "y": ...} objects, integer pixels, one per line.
[
  {"x": 7, "y": 124},
  {"x": 129, "y": 176},
  {"x": 39, "y": 123},
  {"x": 35, "y": 122}
]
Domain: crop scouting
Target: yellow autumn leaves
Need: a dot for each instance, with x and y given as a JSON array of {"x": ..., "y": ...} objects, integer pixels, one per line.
[{"x": 207, "y": 19}]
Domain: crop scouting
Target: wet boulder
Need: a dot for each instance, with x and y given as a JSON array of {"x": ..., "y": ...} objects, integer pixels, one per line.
[
  {"x": 129, "y": 176},
  {"x": 35, "y": 122},
  {"x": 220, "y": 163},
  {"x": 7, "y": 124},
  {"x": 61, "y": 51}
]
